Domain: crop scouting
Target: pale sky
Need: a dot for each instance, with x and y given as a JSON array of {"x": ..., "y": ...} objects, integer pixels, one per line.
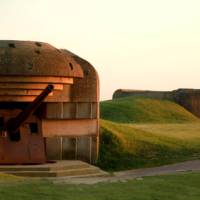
[{"x": 133, "y": 44}]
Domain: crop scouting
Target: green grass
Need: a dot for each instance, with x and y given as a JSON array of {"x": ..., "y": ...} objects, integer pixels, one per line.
[
  {"x": 144, "y": 110},
  {"x": 10, "y": 178},
  {"x": 168, "y": 187},
  {"x": 143, "y": 132},
  {"x": 125, "y": 146}
]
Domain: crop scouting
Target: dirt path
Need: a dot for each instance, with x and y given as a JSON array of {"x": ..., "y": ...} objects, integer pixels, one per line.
[{"x": 123, "y": 176}]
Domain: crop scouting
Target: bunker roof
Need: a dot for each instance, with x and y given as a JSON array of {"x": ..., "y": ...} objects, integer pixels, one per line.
[{"x": 31, "y": 58}]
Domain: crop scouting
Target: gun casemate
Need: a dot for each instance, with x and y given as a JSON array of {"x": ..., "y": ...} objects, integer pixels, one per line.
[{"x": 48, "y": 104}]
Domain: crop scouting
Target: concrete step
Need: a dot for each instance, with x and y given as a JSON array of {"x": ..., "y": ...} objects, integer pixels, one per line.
[
  {"x": 57, "y": 165},
  {"x": 99, "y": 174},
  {"x": 58, "y": 169},
  {"x": 58, "y": 173}
]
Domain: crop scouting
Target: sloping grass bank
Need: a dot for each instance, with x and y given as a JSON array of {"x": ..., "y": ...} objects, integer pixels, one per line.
[
  {"x": 125, "y": 146},
  {"x": 144, "y": 110},
  {"x": 143, "y": 132}
]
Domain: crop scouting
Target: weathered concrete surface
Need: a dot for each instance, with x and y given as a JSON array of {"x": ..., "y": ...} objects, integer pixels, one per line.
[
  {"x": 188, "y": 98},
  {"x": 77, "y": 119},
  {"x": 142, "y": 93},
  {"x": 67, "y": 120},
  {"x": 70, "y": 168},
  {"x": 36, "y": 59}
]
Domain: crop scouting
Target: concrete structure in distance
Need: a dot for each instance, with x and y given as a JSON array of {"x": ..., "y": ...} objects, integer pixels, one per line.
[{"x": 188, "y": 98}]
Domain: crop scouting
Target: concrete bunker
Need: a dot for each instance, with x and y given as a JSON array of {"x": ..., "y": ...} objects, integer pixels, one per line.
[{"x": 65, "y": 123}]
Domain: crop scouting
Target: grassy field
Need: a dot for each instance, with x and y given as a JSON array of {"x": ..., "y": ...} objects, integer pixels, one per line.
[
  {"x": 144, "y": 132},
  {"x": 10, "y": 178},
  {"x": 168, "y": 187}
]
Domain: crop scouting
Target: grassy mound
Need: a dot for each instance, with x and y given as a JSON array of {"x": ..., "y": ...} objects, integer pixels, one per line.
[
  {"x": 125, "y": 146},
  {"x": 144, "y": 110},
  {"x": 143, "y": 132}
]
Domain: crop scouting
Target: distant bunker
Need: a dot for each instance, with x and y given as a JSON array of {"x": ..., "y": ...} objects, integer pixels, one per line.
[
  {"x": 49, "y": 104},
  {"x": 188, "y": 98}
]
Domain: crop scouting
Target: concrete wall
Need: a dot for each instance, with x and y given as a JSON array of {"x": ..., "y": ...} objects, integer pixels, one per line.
[
  {"x": 188, "y": 98},
  {"x": 71, "y": 128},
  {"x": 72, "y": 148},
  {"x": 143, "y": 93}
]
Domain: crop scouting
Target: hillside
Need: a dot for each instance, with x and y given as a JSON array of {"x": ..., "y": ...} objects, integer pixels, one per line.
[
  {"x": 144, "y": 110},
  {"x": 125, "y": 146},
  {"x": 143, "y": 132}
]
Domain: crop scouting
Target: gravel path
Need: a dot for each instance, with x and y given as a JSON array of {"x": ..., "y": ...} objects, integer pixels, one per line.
[{"x": 123, "y": 176}]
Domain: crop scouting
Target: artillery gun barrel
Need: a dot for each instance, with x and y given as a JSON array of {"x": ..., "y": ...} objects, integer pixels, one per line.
[{"x": 13, "y": 124}]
